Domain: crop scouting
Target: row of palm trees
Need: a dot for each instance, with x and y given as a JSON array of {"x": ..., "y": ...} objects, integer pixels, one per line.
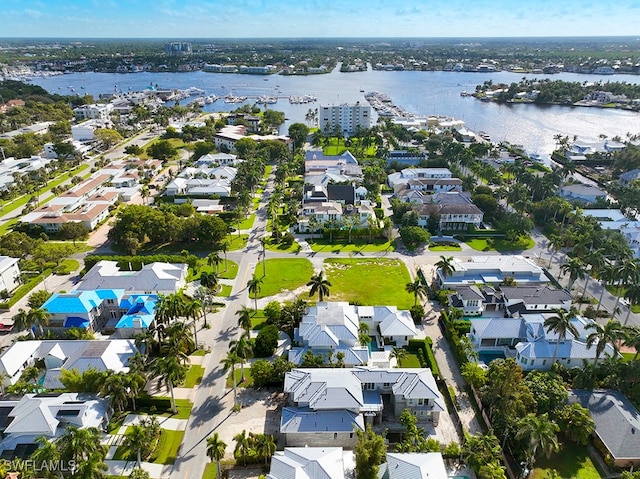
[
  {"x": 623, "y": 274},
  {"x": 612, "y": 332},
  {"x": 262, "y": 445}
]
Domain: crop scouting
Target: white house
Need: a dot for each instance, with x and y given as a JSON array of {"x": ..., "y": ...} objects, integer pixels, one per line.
[
  {"x": 310, "y": 463},
  {"x": 403, "y": 177},
  {"x": 491, "y": 270},
  {"x": 85, "y": 131},
  {"x": 413, "y": 465},
  {"x": 56, "y": 355},
  {"x": 533, "y": 346},
  {"x": 35, "y": 415},
  {"x": 326, "y": 405},
  {"x": 580, "y": 193},
  {"x": 95, "y": 111},
  {"x": 333, "y": 327},
  {"x": 154, "y": 278},
  {"x": 9, "y": 273}
]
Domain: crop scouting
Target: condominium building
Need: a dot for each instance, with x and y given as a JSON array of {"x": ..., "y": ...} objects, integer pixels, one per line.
[{"x": 347, "y": 117}]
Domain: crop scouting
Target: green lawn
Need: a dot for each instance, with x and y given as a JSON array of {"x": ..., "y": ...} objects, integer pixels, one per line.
[
  {"x": 163, "y": 407},
  {"x": 258, "y": 320},
  {"x": 411, "y": 361},
  {"x": 68, "y": 266},
  {"x": 210, "y": 471},
  {"x": 248, "y": 382},
  {"x": 283, "y": 274},
  {"x": 322, "y": 245},
  {"x": 247, "y": 223},
  {"x": 439, "y": 247},
  {"x": 237, "y": 242},
  {"x": 167, "y": 448},
  {"x": 194, "y": 376},
  {"x": 294, "y": 248},
  {"x": 199, "y": 352},
  {"x": 572, "y": 461},
  {"x": 369, "y": 281},
  {"x": 228, "y": 270},
  {"x": 628, "y": 357},
  {"x": 225, "y": 291},
  {"x": 499, "y": 244}
]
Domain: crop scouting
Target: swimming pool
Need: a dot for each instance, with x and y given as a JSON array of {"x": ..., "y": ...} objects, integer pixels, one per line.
[{"x": 488, "y": 356}]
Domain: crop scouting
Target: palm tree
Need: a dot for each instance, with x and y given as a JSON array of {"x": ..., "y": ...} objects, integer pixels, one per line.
[
  {"x": 82, "y": 446},
  {"x": 254, "y": 286},
  {"x": 243, "y": 349},
  {"x": 632, "y": 339},
  {"x": 170, "y": 371},
  {"x": 115, "y": 388},
  {"x": 596, "y": 259},
  {"x": 628, "y": 271},
  {"x": 319, "y": 284},
  {"x": 209, "y": 280},
  {"x": 134, "y": 381},
  {"x": 632, "y": 293},
  {"x": 244, "y": 318},
  {"x": 265, "y": 446},
  {"x": 560, "y": 324},
  {"x": 215, "y": 450},
  {"x": 38, "y": 317},
  {"x": 224, "y": 247},
  {"x": 243, "y": 445},
  {"x": 608, "y": 275},
  {"x": 399, "y": 354},
  {"x": 193, "y": 310},
  {"x": 138, "y": 439},
  {"x": 229, "y": 363},
  {"x": 92, "y": 467},
  {"x": 541, "y": 435},
  {"x": 47, "y": 453},
  {"x": 417, "y": 288},
  {"x": 363, "y": 334},
  {"x": 575, "y": 268},
  {"x": 445, "y": 265},
  {"x": 178, "y": 341},
  {"x": 610, "y": 333},
  {"x": 214, "y": 259},
  {"x": 22, "y": 321}
]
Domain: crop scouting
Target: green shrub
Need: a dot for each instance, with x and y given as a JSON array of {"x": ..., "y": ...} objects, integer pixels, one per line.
[
  {"x": 417, "y": 313},
  {"x": 266, "y": 342},
  {"x": 423, "y": 349}
]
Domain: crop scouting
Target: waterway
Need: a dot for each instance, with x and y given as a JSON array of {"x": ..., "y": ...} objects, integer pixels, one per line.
[{"x": 421, "y": 93}]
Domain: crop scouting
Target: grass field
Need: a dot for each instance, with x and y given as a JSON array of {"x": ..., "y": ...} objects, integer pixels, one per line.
[
  {"x": 167, "y": 448},
  {"x": 231, "y": 268},
  {"x": 439, "y": 247},
  {"x": 225, "y": 290},
  {"x": 572, "y": 461},
  {"x": 369, "y": 281},
  {"x": 294, "y": 248},
  {"x": 500, "y": 244},
  {"x": 194, "y": 376},
  {"x": 247, "y": 223},
  {"x": 283, "y": 274},
  {"x": 322, "y": 245},
  {"x": 411, "y": 361},
  {"x": 258, "y": 319},
  {"x": 248, "y": 382},
  {"x": 163, "y": 408},
  {"x": 199, "y": 352},
  {"x": 237, "y": 242},
  {"x": 210, "y": 471}
]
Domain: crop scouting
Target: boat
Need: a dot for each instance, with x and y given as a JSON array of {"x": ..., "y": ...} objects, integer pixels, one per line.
[{"x": 361, "y": 90}]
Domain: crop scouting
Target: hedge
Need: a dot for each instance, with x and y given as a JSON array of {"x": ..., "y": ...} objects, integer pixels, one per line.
[
  {"x": 133, "y": 263},
  {"x": 425, "y": 346},
  {"x": 25, "y": 289}
]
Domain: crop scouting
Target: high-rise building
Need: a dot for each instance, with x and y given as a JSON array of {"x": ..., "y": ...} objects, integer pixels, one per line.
[
  {"x": 177, "y": 48},
  {"x": 348, "y": 117}
]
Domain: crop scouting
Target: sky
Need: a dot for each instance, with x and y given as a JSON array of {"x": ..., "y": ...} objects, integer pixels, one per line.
[{"x": 177, "y": 19}]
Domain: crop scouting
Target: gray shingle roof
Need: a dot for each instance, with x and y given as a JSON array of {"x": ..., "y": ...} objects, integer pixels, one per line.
[{"x": 617, "y": 421}]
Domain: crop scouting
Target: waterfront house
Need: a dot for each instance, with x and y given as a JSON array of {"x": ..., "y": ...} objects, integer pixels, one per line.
[
  {"x": 310, "y": 463},
  {"x": 580, "y": 193},
  {"x": 413, "y": 465}
]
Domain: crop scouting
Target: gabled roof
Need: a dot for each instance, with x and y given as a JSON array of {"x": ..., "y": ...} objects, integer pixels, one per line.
[
  {"x": 536, "y": 294},
  {"x": 307, "y": 463},
  {"x": 413, "y": 466},
  {"x": 156, "y": 277},
  {"x": 304, "y": 420},
  {"x": 617, "y": 421},
  {"x": 73, "y": 302},
  {"x": 42, "y": 414}
]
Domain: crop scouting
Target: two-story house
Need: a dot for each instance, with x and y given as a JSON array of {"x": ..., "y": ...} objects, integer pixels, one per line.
[{"x": 326, "y": 405}]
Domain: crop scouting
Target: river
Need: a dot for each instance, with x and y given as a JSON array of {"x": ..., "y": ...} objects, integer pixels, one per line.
[{"x": 421, "y": 93}]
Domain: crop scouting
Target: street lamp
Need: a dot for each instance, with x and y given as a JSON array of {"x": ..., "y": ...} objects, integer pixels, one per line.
[{"x": 264, "y": 255}]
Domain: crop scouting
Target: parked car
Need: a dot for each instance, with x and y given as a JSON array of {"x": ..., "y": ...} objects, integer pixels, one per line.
[{"x": 5, "y": 328}]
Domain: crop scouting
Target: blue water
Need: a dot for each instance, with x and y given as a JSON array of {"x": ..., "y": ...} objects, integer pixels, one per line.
[
  {"x": 488, "y": 356},
  {"x": 373, "y": 346},
  {"x": 422, "y": 93}
]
